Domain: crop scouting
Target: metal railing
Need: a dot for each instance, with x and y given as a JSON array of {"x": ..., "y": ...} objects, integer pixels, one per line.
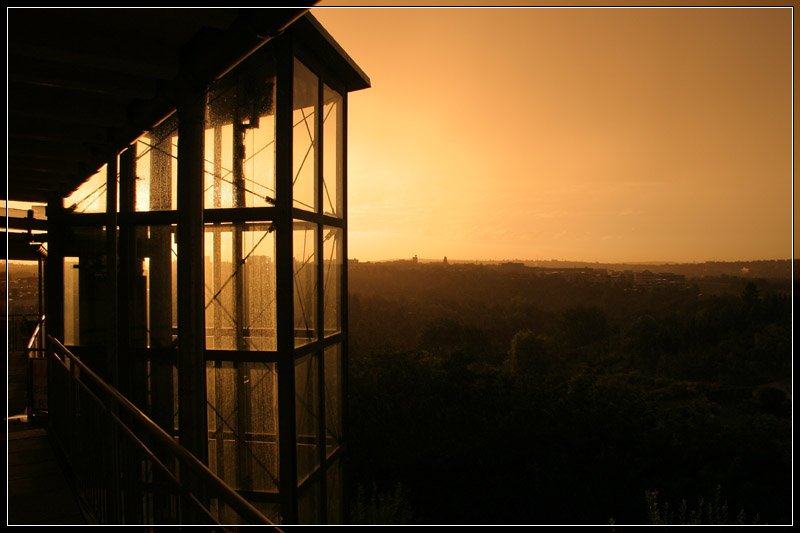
[
  {"x": 37, "y": 371},
  {"x": 19, "y": 328},
  {"x": 127, "y": 469}
]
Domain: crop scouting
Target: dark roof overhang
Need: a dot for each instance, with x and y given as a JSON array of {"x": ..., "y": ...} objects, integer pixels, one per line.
[{"x": 85, "y": 83}]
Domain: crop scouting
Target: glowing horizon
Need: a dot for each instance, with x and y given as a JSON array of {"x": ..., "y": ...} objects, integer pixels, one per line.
[
  {"x": 594, "y": 135},
  {"x": 598, "y": 135}
]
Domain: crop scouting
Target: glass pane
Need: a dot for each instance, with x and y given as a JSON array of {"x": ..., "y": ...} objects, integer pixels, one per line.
[
  {"x": 333, "y": 152},
  {"x": 157, "y": 168},
  {"x": 153, "y": 287},
  {"x": 90, "y": 197},
  {"x": 262, "y": 390},
  {"x": 304, "y": 120},
  {"x": 225, "y": 514},
  {"x": 334, "y": 481},
  {"x": 243, "y": 424},
  {"x": 220, "y": 291},
  {"x": 151, "y": 292},
  {"x": 308, "y": 505},
  {"x": 261, "y": 396},
  {"x": 260, "y": 327},
  {"x": 161, "y": 391},
  {"x": 240, "y": 287},
  {"x": 222, "y": 416},
  {"x": 270, "y": 510},
  {"x": 257, "y": 89},
  {"x": 176, "y": 412},
  {"x": 175, "y": 286},
  {"x": 240, "y": 139},
  {"x": 86, "y": 287},
  {"x": 305, "y": 282},
  {"x": 333, "y": 398},
  {"x": 71, "y": 309},
  {"x": 219, "y": 182},
  {"x": 306, "y": 384},
  {"x": 332, "y": 279}
]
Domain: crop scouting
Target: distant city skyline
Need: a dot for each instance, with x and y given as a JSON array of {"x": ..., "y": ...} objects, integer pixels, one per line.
[{"x": 611, "y": 135}]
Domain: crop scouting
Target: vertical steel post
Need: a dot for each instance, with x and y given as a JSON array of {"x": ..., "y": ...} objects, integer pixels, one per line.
[
  {"x": 160, "y": 279},
  {"x": 54, "y": 295},
  {"x": 128, "y": 374},
  {"x": 243, "y": 455},
  {"x": 320, "y": 256},
  {"x": 191, "y": 312},
  {"x": 284, "y": 285},
  {"x": 115, "y": 459},
  {"x": 127, "y": 177},
  {"x": 111, "y": 270},
  {"x": 40, "y": 295},
  {"x": 345, "y": 388},
  {"x": 216, "y": 332}
]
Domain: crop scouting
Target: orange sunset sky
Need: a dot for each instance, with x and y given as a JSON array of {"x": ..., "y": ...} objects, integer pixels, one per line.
[{"x": 578, "y": 134}]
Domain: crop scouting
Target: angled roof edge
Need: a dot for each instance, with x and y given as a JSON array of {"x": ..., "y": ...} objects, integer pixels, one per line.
[{"x": 310, "y": 30}]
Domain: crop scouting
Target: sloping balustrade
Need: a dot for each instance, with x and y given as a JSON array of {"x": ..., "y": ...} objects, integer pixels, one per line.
[{"x": 125, "y": 468}]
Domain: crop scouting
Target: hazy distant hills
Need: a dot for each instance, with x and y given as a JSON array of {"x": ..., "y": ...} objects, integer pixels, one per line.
[
  {"x": 753, "y": 269},
  {"x": 780, "y": 268}
]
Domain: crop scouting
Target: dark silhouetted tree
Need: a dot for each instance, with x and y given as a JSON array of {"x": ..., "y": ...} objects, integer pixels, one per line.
[
  {"x": 529, "y": 354},
  {"x": 751, "y": 294},
  {"x": 582, "y": 327}
]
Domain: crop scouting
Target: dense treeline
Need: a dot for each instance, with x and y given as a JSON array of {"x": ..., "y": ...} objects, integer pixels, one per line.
[{"x": 513, "y": 397}]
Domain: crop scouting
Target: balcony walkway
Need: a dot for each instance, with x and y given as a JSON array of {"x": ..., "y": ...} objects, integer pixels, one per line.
[{"x": 38, "y": 492}]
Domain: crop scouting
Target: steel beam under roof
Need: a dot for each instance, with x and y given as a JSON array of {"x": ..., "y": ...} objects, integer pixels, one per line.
[{"x": 84, "y": 83}]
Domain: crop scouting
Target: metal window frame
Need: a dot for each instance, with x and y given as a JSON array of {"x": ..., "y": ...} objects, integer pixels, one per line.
[{"x": 190, "y": 220}]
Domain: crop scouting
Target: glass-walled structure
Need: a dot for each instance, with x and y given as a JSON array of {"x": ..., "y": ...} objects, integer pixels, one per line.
[{"x": 203, "y": 272}]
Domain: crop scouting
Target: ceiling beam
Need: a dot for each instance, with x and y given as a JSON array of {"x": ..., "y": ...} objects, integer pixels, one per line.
[
  {"x": 38, "y": 128},
  {"x": 65, "y": 150},
  {"x": 64, "y": 106},
  {"x": 24, "y": 163},
  {"x": 75, "y": 78},
  {"x": 139, "y": 65},
  {"x": 32, "y": 176}
]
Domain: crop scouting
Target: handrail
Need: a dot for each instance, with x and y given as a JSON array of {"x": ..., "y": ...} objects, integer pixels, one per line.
[
  {"x": 16, "y": 337},
  {"x": 36, "y": 367},
  {"x": 231, "y": 497},
  {"x": 35, "y": 334}
]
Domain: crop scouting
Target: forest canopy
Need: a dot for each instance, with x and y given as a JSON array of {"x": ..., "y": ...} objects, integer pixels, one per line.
[{"x": 507, "y": 394}]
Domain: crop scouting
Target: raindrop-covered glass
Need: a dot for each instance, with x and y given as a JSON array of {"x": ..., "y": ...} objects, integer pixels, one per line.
[
  {"x": 157, "y": 168},
  {"x": 243, "y": 424},
  {"x": 334, "y": 481},
  {"x": 90, "y": 197},
  {"x": 308, "y": 504},
  {"x": 332, "y": 279},
  {"x": 71, "y": 302},
  {"x": 240, "y": 287},
  {"x": 240, "y": 139},
  {"x": 306, "y": 387},
  {"x": 304, "y": 120},
  {"x": 86, "y": 287},
  {"x": 333, "y": 152},
  {"x": 225, "y": 514},
  {"x": 305, "y": 282},
  {"x": 333, "y": 398},
  {"x": 154, "y": 287}
]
